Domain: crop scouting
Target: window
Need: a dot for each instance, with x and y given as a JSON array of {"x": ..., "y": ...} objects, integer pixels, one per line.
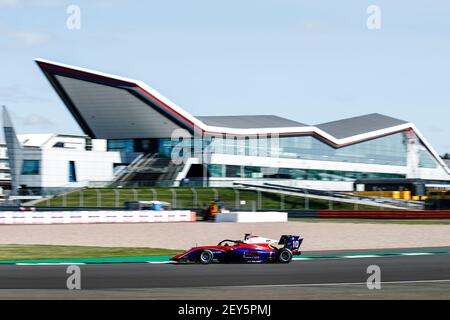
[
  {"x": 387, "y": 150},
  {"x": 233, "y": 171},
  {"x": 121, "y": 145},
  {"x": 426, "y": 160},
  {"x": 72, "y": 172},
  {"x": 59, "y": 145},
  {"x": 215, "y": 170},
  {"x": 305, "y": 174},
  {"x": 182, "y": 145},
  {"x": 31, "y": 167},
  {"x": 253, "y": 172}
]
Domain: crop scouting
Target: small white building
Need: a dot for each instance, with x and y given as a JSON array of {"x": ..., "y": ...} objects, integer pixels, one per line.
[
  {"x": 65, "y": 161},
  {"x": 48, "y": 163}
]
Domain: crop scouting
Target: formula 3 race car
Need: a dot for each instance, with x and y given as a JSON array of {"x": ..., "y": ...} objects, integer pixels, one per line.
[{"x": 252, "y": 249}]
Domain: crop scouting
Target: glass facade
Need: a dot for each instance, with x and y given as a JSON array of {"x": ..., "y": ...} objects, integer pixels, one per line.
[
  {"x": 134, "y": 145},
  {"x": 253, "y": 172},
  {"x": 426, "y": 160},
  {"x": 166, "y": 146},
  {"x": 163, "y": 146},
  {"x": 121, "y": 145},
  {"x": 388, "y": 150},
  {"x": 31, "y": 167}
]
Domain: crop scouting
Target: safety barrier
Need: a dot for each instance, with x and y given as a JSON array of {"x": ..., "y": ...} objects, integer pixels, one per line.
[
  {"x": 405, "y": 195},
  {"x": 87, "y": 217},
  {"x": 267, "y": 216},
  {"x": 385, "y": 214}
]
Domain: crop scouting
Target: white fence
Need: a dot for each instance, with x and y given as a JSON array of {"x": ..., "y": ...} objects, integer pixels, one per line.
[
  {"x": 252, "y": 217},
  {"x": 86, "y": 217}
]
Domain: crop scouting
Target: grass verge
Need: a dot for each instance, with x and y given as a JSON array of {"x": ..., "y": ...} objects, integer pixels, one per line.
[{"x": 36, "y": 252}]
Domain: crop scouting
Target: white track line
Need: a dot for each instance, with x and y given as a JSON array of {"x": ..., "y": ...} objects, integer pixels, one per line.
[
  {"x": 369, "y": 256},
  {"x": 339, "y": 258},
  {"x": 417, "y": 254},
  {"x": 362, "y": 256},
  {"x": 334, "y": 284},
  {"x": 50, "y": 264}
]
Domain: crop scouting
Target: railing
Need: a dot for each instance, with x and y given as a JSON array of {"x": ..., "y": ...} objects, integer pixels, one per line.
[{"x": 191, "y": 194}]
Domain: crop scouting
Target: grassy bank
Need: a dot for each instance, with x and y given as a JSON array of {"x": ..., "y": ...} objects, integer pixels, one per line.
[
  {"x": 185, "y": 198},
  {"x": 34, "y": 252}
]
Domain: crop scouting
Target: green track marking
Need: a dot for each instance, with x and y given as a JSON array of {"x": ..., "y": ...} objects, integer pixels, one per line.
[
  {"x": 166, "y": 259},
  {"x": 141, "y": 259}
]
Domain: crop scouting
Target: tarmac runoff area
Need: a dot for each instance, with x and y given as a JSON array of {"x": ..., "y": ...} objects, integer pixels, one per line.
[
  {"x": 401, "y": 277},
  {"x": 318, "y": 236},
  {"x": 422, "y": 275}
]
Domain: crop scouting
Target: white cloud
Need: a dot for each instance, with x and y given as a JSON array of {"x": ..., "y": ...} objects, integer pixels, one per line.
[
  {"x": 58, "y": 3},
  {"x": 35, "y": 120},
  {"x": 48, "y": 3},
  {"x": 37, "y": 3},
  {"x": 23, "y": 38},
  {"x": 28, "y": 38},
  {"x": 14, "y": 94},
  {"x": 30, "y": 120},
  {"x": 110, "y": 2},
  {"x": 313, "y": 26},
  {"x": 8, "y": 3}
]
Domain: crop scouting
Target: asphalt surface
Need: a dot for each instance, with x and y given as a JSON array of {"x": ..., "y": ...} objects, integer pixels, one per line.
[
  {"x": 422, "y": 276},
  {"x": 372, "y": 251}
]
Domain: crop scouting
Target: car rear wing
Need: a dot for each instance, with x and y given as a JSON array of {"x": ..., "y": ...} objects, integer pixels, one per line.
[{"x": 291, "y": 242}]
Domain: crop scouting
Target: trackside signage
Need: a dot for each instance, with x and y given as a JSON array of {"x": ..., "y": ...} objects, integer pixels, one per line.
[{"x": 81, "y": 217}]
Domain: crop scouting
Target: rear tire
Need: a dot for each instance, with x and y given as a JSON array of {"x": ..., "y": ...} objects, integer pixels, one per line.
[
  {"x": 284, "y": 255},
  {"x": 206, "y": 257}
]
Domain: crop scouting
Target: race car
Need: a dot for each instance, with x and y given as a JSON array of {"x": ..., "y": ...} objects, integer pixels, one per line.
[{"x": 253, "y": 249}]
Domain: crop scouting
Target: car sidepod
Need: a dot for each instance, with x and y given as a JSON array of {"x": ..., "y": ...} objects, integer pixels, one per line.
[{"x": 251, "y": 255}]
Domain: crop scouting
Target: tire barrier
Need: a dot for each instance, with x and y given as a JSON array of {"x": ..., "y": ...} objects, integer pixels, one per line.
[
  {"x": 87, "y": 217},
  {"x": 385, "y": 214},
  {"x": 256, "y": 216}
]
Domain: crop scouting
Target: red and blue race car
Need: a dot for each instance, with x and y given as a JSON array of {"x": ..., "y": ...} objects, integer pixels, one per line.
[{"x": 252, "y": 249}]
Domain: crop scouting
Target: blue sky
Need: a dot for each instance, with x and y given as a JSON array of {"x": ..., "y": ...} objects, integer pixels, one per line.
[{"x": 311, "y": 61}]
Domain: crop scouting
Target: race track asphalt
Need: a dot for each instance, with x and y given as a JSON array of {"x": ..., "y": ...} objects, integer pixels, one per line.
[{"x": 410, "y": 277}]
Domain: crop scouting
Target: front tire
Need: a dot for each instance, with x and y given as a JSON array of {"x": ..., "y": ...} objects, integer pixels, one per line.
[
  {"x": 284, "y": 255},
  {"x": 206, "y": 257}
]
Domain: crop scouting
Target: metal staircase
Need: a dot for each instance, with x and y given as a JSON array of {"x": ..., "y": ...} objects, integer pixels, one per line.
[
  {"x": 123, "y": 173},
  {"x": 147, "y": 171}
]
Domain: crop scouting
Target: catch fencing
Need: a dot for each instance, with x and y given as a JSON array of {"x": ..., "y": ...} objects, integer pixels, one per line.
[
  {"x": 176, "y": 198},
  {"x": 201, "y": 198}
]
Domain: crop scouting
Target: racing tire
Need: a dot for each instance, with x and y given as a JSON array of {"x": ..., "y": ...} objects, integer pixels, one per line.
[
  {"x": 284, "y": 255},
  {"x": 206, "y": 257}
]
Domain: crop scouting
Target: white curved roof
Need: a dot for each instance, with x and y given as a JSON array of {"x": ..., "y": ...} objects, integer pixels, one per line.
[{"x": 113, "y": 107}]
